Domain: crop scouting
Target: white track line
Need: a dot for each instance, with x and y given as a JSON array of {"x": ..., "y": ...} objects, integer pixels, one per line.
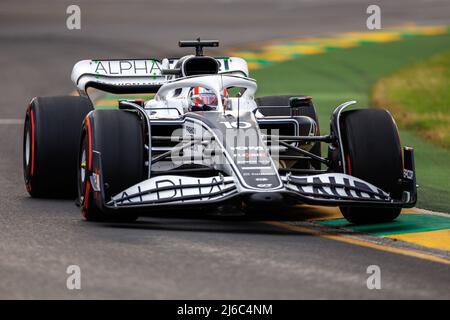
[
  {"x": 433, "y": 213},
  {"x": 11, "y": 121}
]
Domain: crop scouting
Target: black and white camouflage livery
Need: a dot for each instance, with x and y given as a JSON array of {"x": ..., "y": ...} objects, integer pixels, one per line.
[{"x": 232, "y": 155}]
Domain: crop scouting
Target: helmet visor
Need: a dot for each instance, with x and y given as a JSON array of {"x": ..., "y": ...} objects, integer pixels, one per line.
[{"x": 204, "y": 99}]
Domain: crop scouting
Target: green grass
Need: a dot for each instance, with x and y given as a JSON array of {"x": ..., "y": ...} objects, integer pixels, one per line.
[
  {"x": 348, "y": 74},
  {"x": 419, "y": 97}
]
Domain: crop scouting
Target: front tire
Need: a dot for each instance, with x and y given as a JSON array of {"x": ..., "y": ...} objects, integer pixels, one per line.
[
  {"x": 117, "y": 136},
  {"x": 373, "y": 154}
]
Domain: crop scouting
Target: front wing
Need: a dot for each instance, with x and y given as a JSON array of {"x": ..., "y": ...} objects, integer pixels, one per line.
[{"x": 333, "y": 189}]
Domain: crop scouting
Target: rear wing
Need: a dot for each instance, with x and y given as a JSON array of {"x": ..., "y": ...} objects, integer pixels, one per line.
[{"x": 137, "y": 75}]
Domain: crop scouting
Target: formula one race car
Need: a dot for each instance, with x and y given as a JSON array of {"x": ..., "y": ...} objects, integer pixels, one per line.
[{"x": 205, "y": 141}]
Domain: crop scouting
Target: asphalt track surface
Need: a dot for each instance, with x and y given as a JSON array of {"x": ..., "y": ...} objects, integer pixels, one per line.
[{"x": 186, "y": 256}]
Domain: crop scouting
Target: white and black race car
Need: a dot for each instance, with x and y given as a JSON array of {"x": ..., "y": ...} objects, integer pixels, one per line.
[{"x": 204, "y": 141}]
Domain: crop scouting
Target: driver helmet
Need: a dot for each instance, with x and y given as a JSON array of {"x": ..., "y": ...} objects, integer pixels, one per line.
[{"x": 202, "y": 99}]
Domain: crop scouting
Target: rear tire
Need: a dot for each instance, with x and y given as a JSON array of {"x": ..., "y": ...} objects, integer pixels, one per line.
[
  {"x": 281, "y": 101},
  {"x": 118, "y": 136},
  {"x": 309, "y": 111},
  {"x": 373, "y": 154},
  {"x": 50, "y": 145}
]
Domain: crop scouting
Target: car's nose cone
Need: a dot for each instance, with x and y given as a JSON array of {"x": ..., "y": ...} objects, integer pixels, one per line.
[{"x": 264, "y": 199}]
